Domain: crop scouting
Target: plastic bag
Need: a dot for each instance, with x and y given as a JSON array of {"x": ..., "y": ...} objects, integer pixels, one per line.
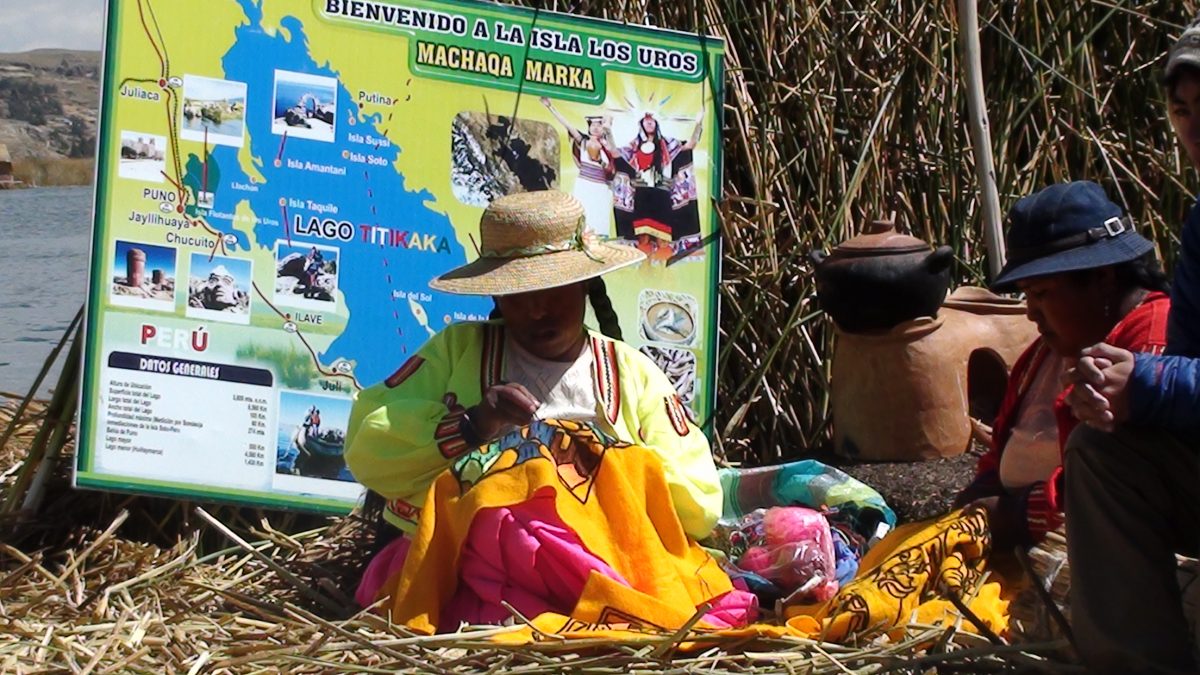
[
  {"x": 790, "y": 546},
  {"x": 815, "y": 485}
]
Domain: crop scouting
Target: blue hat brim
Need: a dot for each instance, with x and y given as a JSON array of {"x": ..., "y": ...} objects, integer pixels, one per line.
[{"x": 1110, "y": 251}]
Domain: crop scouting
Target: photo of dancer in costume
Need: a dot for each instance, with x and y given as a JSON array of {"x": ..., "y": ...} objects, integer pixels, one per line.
[
  {"x": 654, "y": 187},
  {"x": 594, "y": 154}
]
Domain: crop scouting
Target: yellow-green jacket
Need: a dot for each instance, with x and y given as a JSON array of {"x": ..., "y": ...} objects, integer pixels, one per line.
[{"x": 404, "y": 431}]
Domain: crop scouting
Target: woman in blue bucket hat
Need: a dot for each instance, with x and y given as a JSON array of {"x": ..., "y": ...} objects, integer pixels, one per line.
[{"x": 1087, "y": 276}]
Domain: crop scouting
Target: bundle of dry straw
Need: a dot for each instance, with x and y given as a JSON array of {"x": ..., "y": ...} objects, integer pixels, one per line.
[
  {"x": 111, "y": 605},
  {"x": 101, "y": 583}
]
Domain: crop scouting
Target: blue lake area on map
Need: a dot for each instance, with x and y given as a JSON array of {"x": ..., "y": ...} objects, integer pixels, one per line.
[{"x": 392, "y": 241}]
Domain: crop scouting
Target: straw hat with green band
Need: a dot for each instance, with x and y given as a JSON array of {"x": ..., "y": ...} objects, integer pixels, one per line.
[{"x": 531, "y": 241}]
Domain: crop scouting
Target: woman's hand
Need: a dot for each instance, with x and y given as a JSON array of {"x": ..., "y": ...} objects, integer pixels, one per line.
[
  {"x": 502, "y": 405},
  {"x": 1100, "y": 396},
  {"x": 981, "y": 432}
]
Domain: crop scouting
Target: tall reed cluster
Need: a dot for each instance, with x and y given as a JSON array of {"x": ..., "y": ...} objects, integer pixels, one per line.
[
  {"x": 840, "y": 112},
  {"x": 54, "y": 171}
]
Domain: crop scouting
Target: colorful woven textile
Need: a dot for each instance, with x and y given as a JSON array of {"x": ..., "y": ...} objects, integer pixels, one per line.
[{"x": 552, "y": 497}]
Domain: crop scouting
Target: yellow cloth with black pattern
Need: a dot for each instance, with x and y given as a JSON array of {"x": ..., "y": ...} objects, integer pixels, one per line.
[
  {"x": 907, "y": 577},
  {"x": 904, "y": 579}
]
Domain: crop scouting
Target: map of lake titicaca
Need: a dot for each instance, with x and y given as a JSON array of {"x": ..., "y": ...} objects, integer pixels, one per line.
[{"x": 279, "y": 181}]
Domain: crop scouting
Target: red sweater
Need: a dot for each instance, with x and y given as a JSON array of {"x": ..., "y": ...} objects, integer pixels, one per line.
[{"x": 1037, "y": 509}]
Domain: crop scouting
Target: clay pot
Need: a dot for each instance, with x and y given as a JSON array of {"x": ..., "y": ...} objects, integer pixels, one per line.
[
  {"x": 881, "y": 278},
  {"x": 909, "y": 393}
]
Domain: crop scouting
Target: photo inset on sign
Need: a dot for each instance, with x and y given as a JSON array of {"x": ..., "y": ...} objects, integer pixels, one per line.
[
  {"x": 143, "y": 276},
  {"x": 654, "y": 182},
  {"x": 492, "y": 157},
  {"x": 304, "y": 106},
  {"x": 594, "y": 154},
  {"x": 312, "y": 436},
  {"x": 219, "y": 288},
  {"x": 667, "y": 318},
  {"x": 143, "y": 156},
  {"x": 214, "y": 111},
  {"x": 680, "y": 367},
  {"x": 306, "y": 275}
]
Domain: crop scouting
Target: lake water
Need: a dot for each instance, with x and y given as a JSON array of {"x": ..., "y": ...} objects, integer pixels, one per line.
[{"x": 45, "y": 234}]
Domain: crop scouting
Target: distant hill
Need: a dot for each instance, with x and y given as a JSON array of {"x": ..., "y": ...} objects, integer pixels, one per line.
[{"x": 49, "y": 103}]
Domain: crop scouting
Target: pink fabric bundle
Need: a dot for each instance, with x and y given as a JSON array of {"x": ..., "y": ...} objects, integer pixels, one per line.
[
  {"x": 526, "y": 556},
  {"x": 388, "y": 562},
  {"x": 797, "y": 553},
  {"x": 523, "y": 555}
]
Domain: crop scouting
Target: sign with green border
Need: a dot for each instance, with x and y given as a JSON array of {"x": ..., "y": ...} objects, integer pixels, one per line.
[{"x": 279, "y": 181}]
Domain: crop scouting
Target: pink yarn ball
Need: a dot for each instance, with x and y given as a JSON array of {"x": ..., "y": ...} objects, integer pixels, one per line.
[
  {"x": 788, "y": 524},
  {"x": 755, "y": 559}
]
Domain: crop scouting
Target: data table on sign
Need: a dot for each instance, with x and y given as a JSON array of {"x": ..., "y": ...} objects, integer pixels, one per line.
[
  {"x": 169, "y": 418},
  {"x": 256, "y": 430}
]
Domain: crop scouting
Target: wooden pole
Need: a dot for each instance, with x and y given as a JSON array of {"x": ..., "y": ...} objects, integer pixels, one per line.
[{"x": 981, "y": 140}]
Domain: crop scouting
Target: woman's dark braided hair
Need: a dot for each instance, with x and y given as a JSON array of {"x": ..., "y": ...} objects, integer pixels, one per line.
[
  {"x": 657, "y": 157},
  {"x": 374, "y": 503},
  {"x": 602, "y": 307},
  {"x": 660, "y": 162},
  {"x": 1144, "y": 272}
]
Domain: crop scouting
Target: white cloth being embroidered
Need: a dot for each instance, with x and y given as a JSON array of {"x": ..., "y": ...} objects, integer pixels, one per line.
[
  {"x": 566, "y": 389},
  {"x": 1032, "y": 453}
]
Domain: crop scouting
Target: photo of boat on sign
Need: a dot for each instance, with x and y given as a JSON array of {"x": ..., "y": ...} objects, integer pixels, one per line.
[{"x": 311, "y": 436}]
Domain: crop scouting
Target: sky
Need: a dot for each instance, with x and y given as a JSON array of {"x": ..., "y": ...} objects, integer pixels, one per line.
[
  {"x": 203, "y": 265},
  {"x": 70, "y": 24},
  {"x": 208, "y": 89},
  {"x": 157, "y": 257}
]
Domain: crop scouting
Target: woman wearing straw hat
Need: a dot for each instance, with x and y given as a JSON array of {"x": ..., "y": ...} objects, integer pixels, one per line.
[
  {"x": 1087, "y": 276},
  {"x": 474, "y": 381}
]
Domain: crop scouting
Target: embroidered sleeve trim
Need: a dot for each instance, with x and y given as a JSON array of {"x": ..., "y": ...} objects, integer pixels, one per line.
[
  {"x": 608, "y": 382},
  {"x": 448, "y": 433},
  {"x": 677, "y": 415},
  {"x": 491, "y": 362},
  {"x": 448, "y": 436},
  {"x": 404, "y": 372},
  {"x": 403, "y": 510}
]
